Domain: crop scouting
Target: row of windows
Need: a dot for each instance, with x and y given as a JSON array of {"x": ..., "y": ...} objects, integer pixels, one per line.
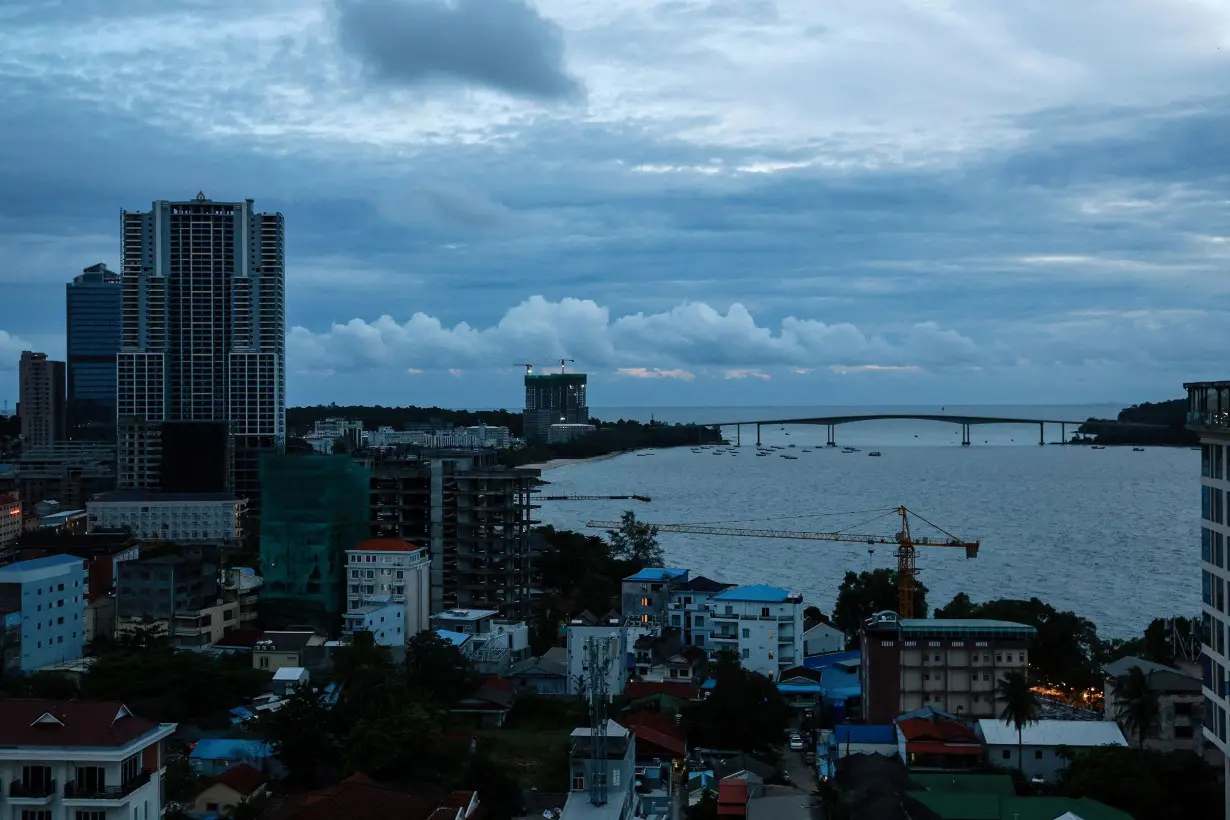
[
  {"x": 1213, "y": 590},
  {"x": 1212, "y": 548},
  {"x": 1212, "y": 504},
  {"x": 1213, "y": 461},
  {"x": 369, "y": 574},
  {"x": 986, "y": 676}
]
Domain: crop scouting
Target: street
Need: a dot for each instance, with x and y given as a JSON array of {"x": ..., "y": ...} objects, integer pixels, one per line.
[{"x": 802, "y": 776}]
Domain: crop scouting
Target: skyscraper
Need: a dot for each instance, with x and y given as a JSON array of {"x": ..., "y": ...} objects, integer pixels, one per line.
[
  {"x": 553, "y": 398},
  {"x": 40, "y": 400},
  {"x": 92, "y": 302},
  {"x": 203, "y": 333}
]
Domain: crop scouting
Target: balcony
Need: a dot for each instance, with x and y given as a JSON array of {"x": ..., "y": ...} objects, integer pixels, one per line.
[
  {"x": 32, "y": 792},
  {"x": 1208, "y": 405},
  {"x": 106, "y": 793}
]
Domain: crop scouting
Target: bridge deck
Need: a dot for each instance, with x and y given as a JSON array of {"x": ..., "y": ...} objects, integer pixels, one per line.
[{"x": 913, "y": 416}]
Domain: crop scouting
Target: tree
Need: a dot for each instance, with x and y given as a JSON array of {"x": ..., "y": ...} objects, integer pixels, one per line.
[
  {"x": 1020, "y": 709},
  {"x": 706, "y": 808},
  {"x": 1145, "y": 784},
  {"x": 180, "y": 783},
  {"x": 497, "y": 787},
  {"x": 636, "y": 542},
  {"x": 863, "y": 594},
  {"x": 1137, "y": 704},
  {"x": 745, "y": 711},
  {"x": 814, "y": 613},
  {"x": 435, "y": 667},
  {"x": 391, "y": 749},
  {"x": 302, "y": 737},
  {"x": 53, "y": 685}
]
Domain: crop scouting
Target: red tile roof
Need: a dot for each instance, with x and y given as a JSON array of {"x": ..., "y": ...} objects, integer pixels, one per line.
[
  {"x": 386, "y": 545},
  {"x": 36, "y": 722},
  {"x": 932, "y": 747},
  {"x": 941, "y": 730},
  {"x": 5, "y": 498},
  {"x": 637, "y": 689},
  {"x": 656, "y": 729},
  {"x": 243, "y": 779},
  {"x": 732, "y": 792},
  {"x": 358, "y": 796}
]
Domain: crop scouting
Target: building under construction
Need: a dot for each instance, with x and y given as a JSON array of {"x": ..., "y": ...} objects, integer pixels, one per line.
[
  {"x": 473, "y": 515},
  {"x": 550, "y": 399}
]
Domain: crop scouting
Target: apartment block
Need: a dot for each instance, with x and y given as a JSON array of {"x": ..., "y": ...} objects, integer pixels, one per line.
[
  {"x": 80, "y": 760},
  {"x": 553, "y": 399},
  {"x": 645, "y": 596},
  {"x": 603, "y": 782},
  {"x": 390, "y": 570},
  {"x": 951, "y": 664},
  {"x": 689, "y": 605},
  {"x": 41, "y": 405},
  {"x": 1180, "y": 705},
  {"x": 761, "y": 624},
  {"x": 49, "y": 593},
  {"x": 180, "y": 594},
  {"x": 181, "y": 517},
  {"x": 474, "y": 518}
]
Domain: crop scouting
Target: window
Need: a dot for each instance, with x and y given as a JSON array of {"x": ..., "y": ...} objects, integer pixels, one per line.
[
  {"x": 936, "y": 657},
  {"x": 747, "y": 653},
  {"x": 1037, "y": 754},
  {"x": 264, "y": 663},
  {"x": 986, "y": 675},
  {"x": 1007, "y": 754},
  {"x": 926, "y": 676},
  {"x": 747, "y": 633},
  {"x": 999, "y": 657},
  {"x": 578, "y": 782},
  {"x": 1020, "y": 656},
  {"x": 644, "y": 602},
  {"x": 698, "y": 621},
  {"x": 35, "y": 814},
  {"x": 764, "y": 612},
  {"x": 1184, "y": 732},
  {"x": 615, "y": 777}
]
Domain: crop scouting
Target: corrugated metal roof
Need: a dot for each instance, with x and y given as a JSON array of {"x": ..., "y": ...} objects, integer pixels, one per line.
[
  {"x": 761, "y": 593},
  {"x": 860, "y": 733},
  {"x": 1075, "y": 733},
  {"x": 659, "y": 574},
  {"x": 45, "y": 562}
]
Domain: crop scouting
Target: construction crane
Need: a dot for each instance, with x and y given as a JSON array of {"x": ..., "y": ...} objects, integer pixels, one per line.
[
  {"x": 563, "y": 362},
  {"x": 529, "y": 368},
  {"x": 907, "y": 545}
]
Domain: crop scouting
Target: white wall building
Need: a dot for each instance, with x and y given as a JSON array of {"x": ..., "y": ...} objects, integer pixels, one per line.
[
  {"x": 494, "y": 644},
  {"x": 578, "y": 636},
  {"x": 1041, "y": 741},
  {"x": 386, "y": 622},
  {"x": 181, "y": 517},
  {"x": 390, "y": 570},
  {"x": 61, "y": 760},
  {"x": 1208, "y": 414},
  {"x": 763, "y": 625},
  {"x": 823, "y": 638}
]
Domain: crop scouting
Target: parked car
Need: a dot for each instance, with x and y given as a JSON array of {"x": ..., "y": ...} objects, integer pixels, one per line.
[{"x": 796, "y": 742}]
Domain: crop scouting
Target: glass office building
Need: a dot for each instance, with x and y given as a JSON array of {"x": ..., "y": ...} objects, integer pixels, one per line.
[{"x": 93, "y": 323}]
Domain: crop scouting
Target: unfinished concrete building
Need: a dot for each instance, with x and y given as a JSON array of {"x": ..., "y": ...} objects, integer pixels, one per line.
[{"x": 473, "y": 515}]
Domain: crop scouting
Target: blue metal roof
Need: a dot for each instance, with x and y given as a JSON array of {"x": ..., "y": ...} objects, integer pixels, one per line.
[
  {"x": 799, "y": 688},
  {"x": 659, "y": 574},
  {"x": 859, "y": 733},
  {"x": 830, "y": 658},
  {"x": 760, "y": 593},
  {"x": 455, "y": 638},
  {"x": 41, "y": 563},
  {"x": 227, "y": 748}
]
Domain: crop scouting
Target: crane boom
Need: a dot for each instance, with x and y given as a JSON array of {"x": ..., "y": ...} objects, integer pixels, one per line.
[{"x": 907, "y": 545}]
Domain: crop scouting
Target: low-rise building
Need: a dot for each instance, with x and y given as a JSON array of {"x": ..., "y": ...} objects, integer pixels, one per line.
[
  {"x": 646, "y": 595},
  {"x": 544, "y": 675},
  {"x": 763, "y": 625},
  {"x": 238, "y": 784},
  {"x": 952, "y": 664},
  {"x": 211, "y": 756},
  {"x": 385, "y": 622},
  {"x": 180, "y": 595},
  {"x": 279, "y": 649},
  {"x": 390, "y": 569},
  {"x": 689, "y": 608},
  {"x": 80, "y": 759},
  {"x": 49, "y": 594},
  {"x": 1180, "y": 702},
  {"x": 821, "y": 638},
  {"x": 1041, "y": 742},
  {"x": 603, "y": 784},
  {"x": 494, "y": 643},
  {"x": 179, "y": 517}
]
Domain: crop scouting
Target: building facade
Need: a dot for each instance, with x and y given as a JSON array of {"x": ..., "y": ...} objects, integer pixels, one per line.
[
  {"x": 80, "y": 760},
  {"x": 689, "y": 609},
  {"x": 203, "y": 326},
  {"x": 1041, "y": 750},
  {"x": 603, "y": 775},
  {"x": 645, "y": 596},
  {"x": 385, "y": 622},
  {"x": 473, "y": 516},
  {"x": 1208, "y": 414},
  {"x": 763, "y": 625},
  {"x": 1180, "y": 705},
  {"x": 10, "y": 519},
  {"x": 389, "y": 569},
  {"x": 182, "y": 517},
  {"x": 50, "y": 594},
  {"x": 553, "y": 398},
  {"x": 181, "y": 595},
  {"x": 92, "y": 313},
  {"x": 68, "y": 472},
  {"x": 950, "y": 664},
  {"x": 41, "y": 400}
]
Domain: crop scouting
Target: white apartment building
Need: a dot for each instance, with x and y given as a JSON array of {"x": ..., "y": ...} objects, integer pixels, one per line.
[
  {"x": 386, "y": 622},
  {"x": 182, "y": 517},
  {"x": 80, "y": 760},
  {"x": 1208, "y": 414},
  {"x": 579, "y": 635},
  {"x": 390, "y": 570},
  {"x": 10, "y": 518},
  {"x": 763, "y": 625}
]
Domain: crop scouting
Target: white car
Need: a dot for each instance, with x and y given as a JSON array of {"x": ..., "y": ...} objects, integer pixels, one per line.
[{"x": 796, "y": 743}]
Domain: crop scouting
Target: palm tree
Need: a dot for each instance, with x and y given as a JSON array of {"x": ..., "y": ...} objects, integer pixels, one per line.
[
  {"x": 1020, "y": 709},
  {"x": 1137, "y": 704}
]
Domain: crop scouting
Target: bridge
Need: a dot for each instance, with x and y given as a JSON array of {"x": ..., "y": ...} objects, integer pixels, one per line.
[{"x": 966, "y": 422}]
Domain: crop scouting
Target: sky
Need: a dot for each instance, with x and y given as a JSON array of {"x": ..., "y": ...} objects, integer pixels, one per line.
[{"x": 702, "y": 202}]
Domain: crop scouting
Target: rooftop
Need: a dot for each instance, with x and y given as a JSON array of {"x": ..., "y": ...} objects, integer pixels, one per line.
[
  {"x": 613, "y": 729},
  {"x": 385, "y": 545},
  {"x": 962, "y": 626},
  {"x": 758, "y": 593},
  {"x": 292, "y": 673},
  {"x": 226, "y": 748},
  {"x": 1076, "y": 733},
  {"x": 150, "y": 496},
  {"x": 358, "y": 796},
  {"x": 455, "y": 638},
  {"x": 79, "y": 723},
  {"x": 46, "y": 563},
  {"x": 1161, "y": 677},
  {"x": 466, "y": 614},
  {"x": 701, "y": 584},
  {"x": 864, "y": 733},
  {"x": 243, "y": 779},
  {"x": 658, "y": 574}
]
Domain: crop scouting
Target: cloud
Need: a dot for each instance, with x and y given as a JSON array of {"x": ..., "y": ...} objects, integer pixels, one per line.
[
  {"x": 505, "y": 45},
  {"x": 656, "y": 373},
  {"x": 745, "y": 374},
  {"x": 10, "y": 350}
]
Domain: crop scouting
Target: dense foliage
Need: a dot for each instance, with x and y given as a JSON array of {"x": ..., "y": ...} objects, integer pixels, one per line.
[
  {"x": 863, "y": 594},
  {"x": 1171, "y": 416},
  {"x": 744, "y": 711},
  {"x": 1147, "y": 785},
  {"x": 613, "y": 437}
]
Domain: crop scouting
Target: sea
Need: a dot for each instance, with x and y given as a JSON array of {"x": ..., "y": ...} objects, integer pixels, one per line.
[{"x": 1111, "y": 534}]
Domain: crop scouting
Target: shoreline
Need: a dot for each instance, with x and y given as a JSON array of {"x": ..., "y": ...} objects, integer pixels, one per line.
[{"x": 556, "y": 463}]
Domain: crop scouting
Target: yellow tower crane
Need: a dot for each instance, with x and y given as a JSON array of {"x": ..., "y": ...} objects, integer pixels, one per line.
[{"x": 907, "y": 570}]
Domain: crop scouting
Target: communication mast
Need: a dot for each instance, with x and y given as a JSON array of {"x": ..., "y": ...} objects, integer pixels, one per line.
[{"x": 598, "y": 657}]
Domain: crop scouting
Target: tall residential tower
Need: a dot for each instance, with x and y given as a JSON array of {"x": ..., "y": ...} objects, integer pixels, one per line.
[
  {"x": 551, "y": 399},
  {"x": 40, "y": 399},
  {"x": 1208, "y": 414},
  {"x": 203, "y": 334},
  {"x": 92, "y": 302}
]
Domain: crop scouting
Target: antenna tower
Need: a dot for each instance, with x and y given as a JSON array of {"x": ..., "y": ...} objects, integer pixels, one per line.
[{"x": 598, "y": 656}]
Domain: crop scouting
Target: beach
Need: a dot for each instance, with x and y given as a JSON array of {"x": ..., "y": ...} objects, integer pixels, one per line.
[{"x": 564, "y": 462}]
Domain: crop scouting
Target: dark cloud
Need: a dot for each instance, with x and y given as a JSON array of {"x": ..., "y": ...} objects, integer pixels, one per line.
[{"x": 501, "y": 44}]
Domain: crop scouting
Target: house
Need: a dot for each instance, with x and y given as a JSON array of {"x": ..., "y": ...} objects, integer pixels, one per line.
[
  {"x": 645, "y": 596},
  {"x": 860, "y": 739},
  {"x": 211, "y": 757},
  {"x": 488, "y": 706},
  {"x": 1041, "y": 742},
  {"x": 238, "y": 784},
  {"x": 385, "y": 620},
  {"x": 993, "y": 797},
  {"x": 931, "y": 739},
  {"x": 65, "y": 758},
  {"x": 663, "y": 656},
  {"x": 1180, "y": 700},
  {"x": 761, "y": 624},
  {"x": 800, "y": 687},
  {"x": 358, "y": 796},
  {"x": 277, "y": 649},
  {"x": 544, "y": 675},
  {"x": 49, "y": 593},
  {"x": 289, "y": 678},
  {"x": 820, "y": 638},
  {"x": 657, "y": 736},
  {"x": 494, "y": 643},
  {"x": 605, "y": 788},
  {"x": 688, "y": 608}
]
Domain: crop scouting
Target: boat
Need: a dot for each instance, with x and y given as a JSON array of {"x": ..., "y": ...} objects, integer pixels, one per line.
[
  {"x": 1138, "y": 449},
  {"x": 1097, "y": 447},
  {"x": 790, "y": 445},
  {"x": 849, "y": 449},
  {"x": 807, "y": 451},
  {"x": 874, "y": 453},
  {"x": 758, "y": 455},
  {"x": 792, "y": 458}
]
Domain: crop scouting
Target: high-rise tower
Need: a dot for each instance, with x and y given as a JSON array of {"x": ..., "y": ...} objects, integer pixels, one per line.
[
  {"x": 92, "y": 302},
  {"x": 41, "y": 403},
  {"x": 203, "y": 333}
]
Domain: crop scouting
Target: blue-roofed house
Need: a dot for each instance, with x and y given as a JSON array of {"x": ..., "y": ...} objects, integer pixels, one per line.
[
  {"x": 212, "y": 756},
  {"x": 457, "y": 639},
  {"x": 645, "y": 595},
  {"x": 763, "y": 625},
  {"x": 49, "y": 593}
]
